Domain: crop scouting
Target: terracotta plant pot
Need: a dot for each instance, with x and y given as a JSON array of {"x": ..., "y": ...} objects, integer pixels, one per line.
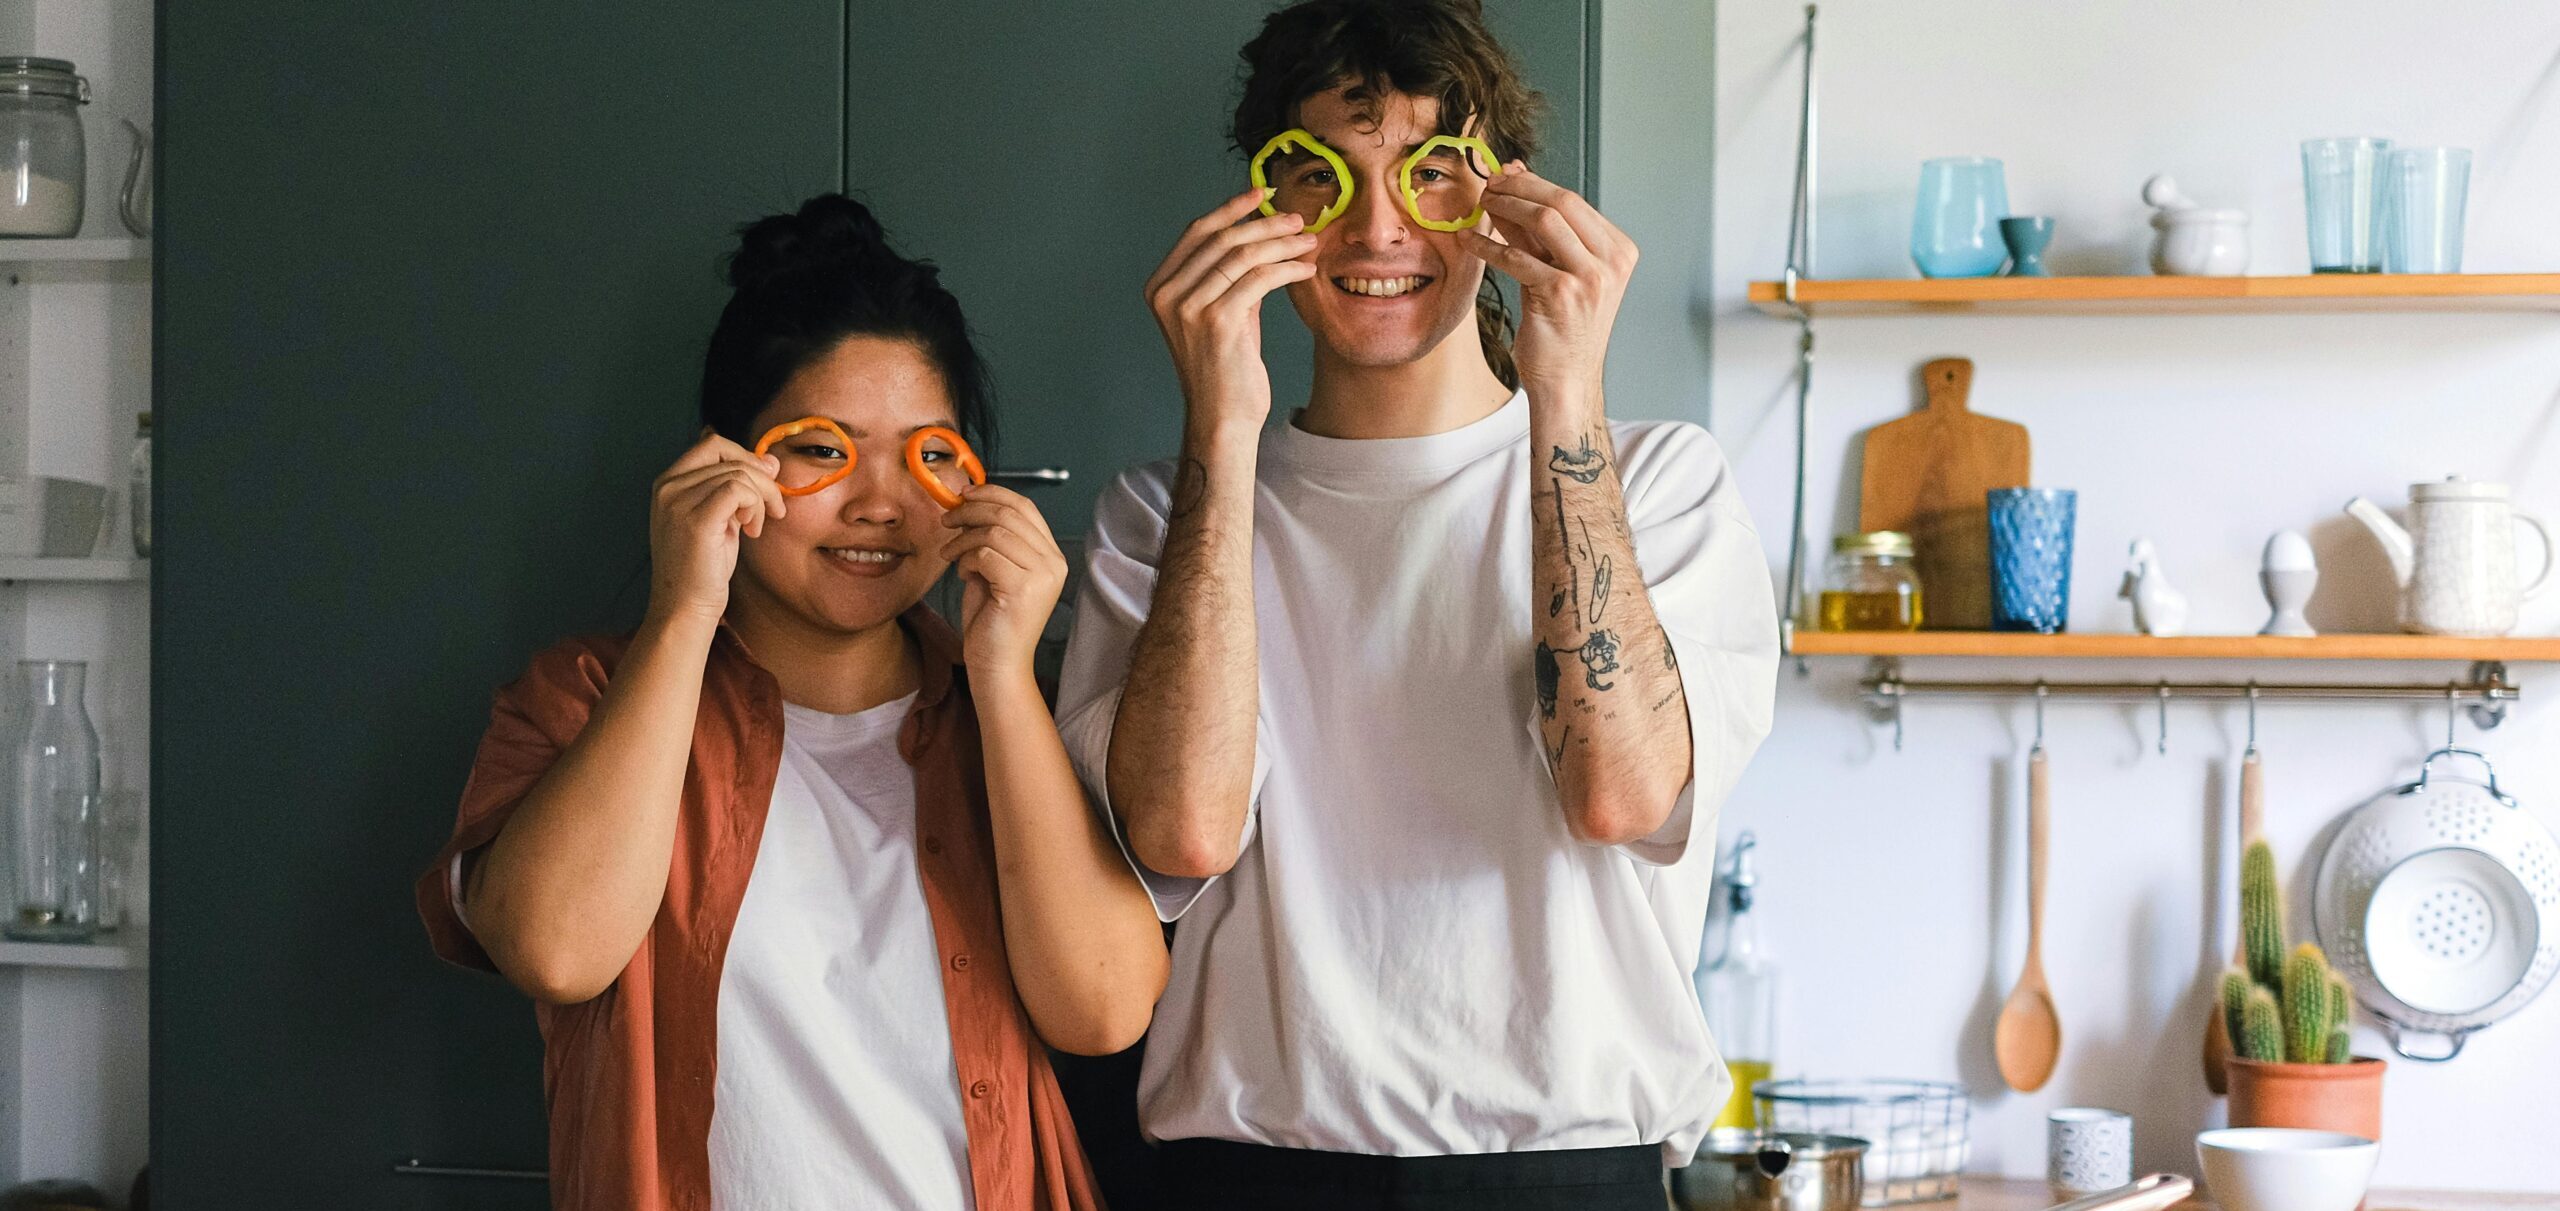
[{"x": 2317, "y": 1097}]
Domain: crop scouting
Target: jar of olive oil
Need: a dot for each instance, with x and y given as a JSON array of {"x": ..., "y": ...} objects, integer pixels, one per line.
[{"x": 1870, "y": 584}]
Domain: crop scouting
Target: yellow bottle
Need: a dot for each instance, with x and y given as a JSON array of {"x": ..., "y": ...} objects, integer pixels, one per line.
[
  {"x": 1739, "y": 993},
  {"x": 1740, "y": 1110}
]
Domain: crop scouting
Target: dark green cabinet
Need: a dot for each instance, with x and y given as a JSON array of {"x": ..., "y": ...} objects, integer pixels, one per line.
[{"x": 433, "y": 284}]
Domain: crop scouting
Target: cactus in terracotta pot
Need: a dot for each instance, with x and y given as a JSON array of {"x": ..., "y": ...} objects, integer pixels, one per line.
[{"x": 2292, "y": 1064}]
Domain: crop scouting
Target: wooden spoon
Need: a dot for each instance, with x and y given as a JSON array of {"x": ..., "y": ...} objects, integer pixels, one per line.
[
  {"x": 2028, "y": 1038},
  {"x": 2217, "y": 1032}
]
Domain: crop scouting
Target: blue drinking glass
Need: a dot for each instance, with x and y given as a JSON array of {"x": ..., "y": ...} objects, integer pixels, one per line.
[
  {"x": 2031, "y": 558},
  {"x": 1955, "y": 230}
]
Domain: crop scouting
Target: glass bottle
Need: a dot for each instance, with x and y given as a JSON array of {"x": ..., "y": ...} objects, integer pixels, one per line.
[
  {"x": 138, "y": 486},
  {"x": 1870, "y": 584},
  {"x": 1739, "y": 992},
  {"x": 53, "y": 806}
]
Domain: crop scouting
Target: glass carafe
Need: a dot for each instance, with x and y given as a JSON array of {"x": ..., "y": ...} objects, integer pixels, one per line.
[{"x": 53, "y": 806}]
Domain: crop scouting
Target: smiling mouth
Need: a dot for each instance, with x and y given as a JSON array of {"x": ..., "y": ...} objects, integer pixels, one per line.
[
  {"x": 1380, "y": 288},
  {"x": 862, "y": 556}
]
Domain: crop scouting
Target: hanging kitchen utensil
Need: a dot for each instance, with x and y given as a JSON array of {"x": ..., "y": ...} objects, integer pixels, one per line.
[
  {"x": 2027, "y": 1040},
  {"x": 1925, "y": 475},
  {"x": 2253, "y": 815},
  {"x": 2439, "y": 902}
]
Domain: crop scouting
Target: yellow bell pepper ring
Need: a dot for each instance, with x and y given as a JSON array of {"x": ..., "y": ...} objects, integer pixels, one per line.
[
  {"x": 1413, "y": 197},
  {"x": 798, "y": 427},
  {"x": 1341, "y": 172},
  {"x": 969, "y": 464}
]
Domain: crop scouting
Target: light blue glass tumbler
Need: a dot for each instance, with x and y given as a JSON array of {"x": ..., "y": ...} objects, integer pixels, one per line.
[
  {"x": 2428, "y": 187},
  {"x": 2031, "y": 558},
  {"x": 2344, "y": 199},
  {"x": 1955, "y": 229}
]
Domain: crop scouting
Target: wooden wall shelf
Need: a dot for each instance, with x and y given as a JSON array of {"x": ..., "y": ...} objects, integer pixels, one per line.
[
  {"x": 2513, "y": 650},
  {"x": 2311, "y": 293}
]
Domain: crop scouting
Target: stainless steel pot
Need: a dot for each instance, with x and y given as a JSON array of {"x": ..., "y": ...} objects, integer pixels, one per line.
[{"x": 1739, "y": 1170}]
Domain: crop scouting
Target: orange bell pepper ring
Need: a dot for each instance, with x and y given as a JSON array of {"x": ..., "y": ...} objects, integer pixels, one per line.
[
  {"x": 933, "y": 485},
  {"x": 804, "y": 425}
]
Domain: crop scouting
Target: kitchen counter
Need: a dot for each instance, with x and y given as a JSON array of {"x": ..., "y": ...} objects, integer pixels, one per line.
[{"x": 2012, "y": 1194}]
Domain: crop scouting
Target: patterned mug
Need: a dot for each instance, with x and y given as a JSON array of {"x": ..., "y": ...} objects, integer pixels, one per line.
[{"x": 2087, "y": 1150}]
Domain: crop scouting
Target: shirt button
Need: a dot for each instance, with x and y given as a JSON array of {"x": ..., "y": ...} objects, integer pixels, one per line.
[
  {"x": 959, "y": 962},
  {"x": 981, "y": 1089},
  {"x": 933, "y": 845}
]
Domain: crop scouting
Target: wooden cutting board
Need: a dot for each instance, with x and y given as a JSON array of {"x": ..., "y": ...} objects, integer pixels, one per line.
[{"x": 1926, "y": 474}]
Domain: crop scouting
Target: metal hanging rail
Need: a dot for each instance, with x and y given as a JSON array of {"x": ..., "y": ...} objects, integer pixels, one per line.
[
  {"x": 1799, "y": 266},
  {"x": 2485, "y": 694}
]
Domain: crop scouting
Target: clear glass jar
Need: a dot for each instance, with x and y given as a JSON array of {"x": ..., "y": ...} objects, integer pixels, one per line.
[
  {"x": 44, "y": 160},
  {"x": 53, "y": 806},
  {"x": 1870, "y": 584}
]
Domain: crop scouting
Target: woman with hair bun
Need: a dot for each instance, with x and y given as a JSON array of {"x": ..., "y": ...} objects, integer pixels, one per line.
[{"x": 800, "y": 878}]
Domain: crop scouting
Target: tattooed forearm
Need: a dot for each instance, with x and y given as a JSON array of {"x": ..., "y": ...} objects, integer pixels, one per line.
[{"x": 1617, "y": 769}]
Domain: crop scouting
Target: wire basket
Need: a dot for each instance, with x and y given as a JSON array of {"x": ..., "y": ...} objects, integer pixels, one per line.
[{"x": 1915, "y": 1130}]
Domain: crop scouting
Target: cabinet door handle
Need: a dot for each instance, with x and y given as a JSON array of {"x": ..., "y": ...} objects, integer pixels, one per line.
[
  {"x": 413, "y": 1167},
  {"x": 1029, "y": 475}
]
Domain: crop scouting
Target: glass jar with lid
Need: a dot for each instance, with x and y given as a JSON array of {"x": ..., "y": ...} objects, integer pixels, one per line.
[
  {"x": 44, "y": 160},
  {"x": 1870, "y": 584}
]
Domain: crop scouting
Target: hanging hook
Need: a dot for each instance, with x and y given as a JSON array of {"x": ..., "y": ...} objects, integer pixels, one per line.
[
  {"x": 2164, "y": 718},
  {"x": 2452, "y": 710},
  {"x": 2253, "y": 718},
  {"x": 2039, "y": 716}
]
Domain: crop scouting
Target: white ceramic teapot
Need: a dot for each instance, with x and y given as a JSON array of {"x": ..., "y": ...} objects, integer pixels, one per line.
[{"x": 2456, "y": 563}]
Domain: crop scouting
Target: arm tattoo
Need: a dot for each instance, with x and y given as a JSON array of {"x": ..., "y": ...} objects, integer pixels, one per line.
[
  {"x": 1599, "y": 657},
  {"x": 1583, "y": 466},
  {"x": 1548, "y": 675},
  {"x": 1600, "y": 591},
  {"x": 1572, "y": 576},
  {"x": 1190, "y": 486}
]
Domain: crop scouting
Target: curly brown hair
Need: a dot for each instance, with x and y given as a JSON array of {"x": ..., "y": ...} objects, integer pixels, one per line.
[{"x": 1429, "y": 48}]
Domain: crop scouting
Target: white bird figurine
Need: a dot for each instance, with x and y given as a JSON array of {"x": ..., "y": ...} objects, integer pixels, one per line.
[{"x": 2158, "y": 608}]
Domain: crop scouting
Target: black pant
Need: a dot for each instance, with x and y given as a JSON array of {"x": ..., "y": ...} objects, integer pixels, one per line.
[{"x": 1216, "y": 1175}]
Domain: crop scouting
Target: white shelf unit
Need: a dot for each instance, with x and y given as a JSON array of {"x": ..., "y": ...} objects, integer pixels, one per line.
[
  {"x": 22, "y": 251},
  {"x": 75, "y": 368},
  {"x": 73, "y": 571},
  {"x": 113, "y": 955}
]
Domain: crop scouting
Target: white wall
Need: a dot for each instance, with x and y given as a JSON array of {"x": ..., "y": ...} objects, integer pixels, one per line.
[{"x": 1894, "y": 881}]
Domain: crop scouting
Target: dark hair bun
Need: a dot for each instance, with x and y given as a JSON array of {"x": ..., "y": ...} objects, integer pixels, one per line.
[{"x": 831, "y": 231}]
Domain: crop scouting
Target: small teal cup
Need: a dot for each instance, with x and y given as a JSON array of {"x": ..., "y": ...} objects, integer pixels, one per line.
[
  {"x": 1955, "y": 229},
  {"x": 2031, "y": 558}
]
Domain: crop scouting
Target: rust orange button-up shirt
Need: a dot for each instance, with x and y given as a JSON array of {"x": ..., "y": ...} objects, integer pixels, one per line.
[{"x": 628, "y": 1075}]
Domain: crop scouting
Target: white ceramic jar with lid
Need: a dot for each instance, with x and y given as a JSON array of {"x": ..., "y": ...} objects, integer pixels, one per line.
[{"x": 44, "y": 160}]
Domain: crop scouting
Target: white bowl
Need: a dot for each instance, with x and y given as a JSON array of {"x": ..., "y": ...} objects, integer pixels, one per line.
[{"x": 2279, "y": 1169}]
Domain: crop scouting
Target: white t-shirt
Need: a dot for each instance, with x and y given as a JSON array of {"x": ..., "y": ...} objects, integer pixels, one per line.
[
  {"x": 836, "y": 1085},
  {"x": 1412, "y": 956}
]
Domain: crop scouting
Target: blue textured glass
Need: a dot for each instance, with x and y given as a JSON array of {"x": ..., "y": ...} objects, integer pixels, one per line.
[
  {"x": 1955, "y": 229},
  {"x": 2031, "y": 558}
]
